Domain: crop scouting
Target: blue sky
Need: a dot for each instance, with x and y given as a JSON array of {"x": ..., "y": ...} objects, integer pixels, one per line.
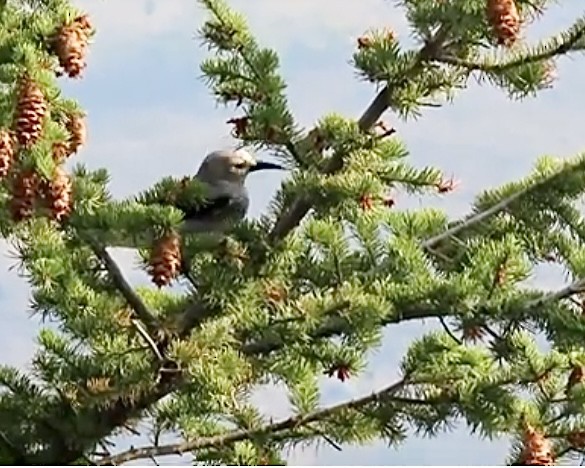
[{"x": 150, "y": 116}]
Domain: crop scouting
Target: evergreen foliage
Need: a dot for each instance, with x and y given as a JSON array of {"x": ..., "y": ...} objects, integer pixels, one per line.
[{"x": 308, "y": 288}]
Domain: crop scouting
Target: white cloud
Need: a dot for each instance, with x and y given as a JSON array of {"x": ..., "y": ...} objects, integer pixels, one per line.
[{"x": 282, "y": 23}]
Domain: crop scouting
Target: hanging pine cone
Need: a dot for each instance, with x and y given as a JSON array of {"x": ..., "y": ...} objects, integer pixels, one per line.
[
  {"x": 6, "y": 152},
  {"x": 85, "y": 23},
  {"x": 60, "y": 151},
  {"x": 57, "y": 194},
  {"x": 77, "y": 132},
  {"x": 70, "y": 44},
  {"x": 30, "y": 112},
  {"x": 165, "y": 260},
  {"x": 537, "y": 449},
  {"x": 24, "y": 193},
  {"x": 505, "y": 21}
]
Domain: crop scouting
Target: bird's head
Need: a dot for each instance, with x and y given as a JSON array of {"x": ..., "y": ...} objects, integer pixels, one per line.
[{"x": 231, "y": 166}]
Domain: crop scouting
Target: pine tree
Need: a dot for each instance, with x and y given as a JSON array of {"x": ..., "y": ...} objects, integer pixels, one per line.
[{"x": 305, "y": 290}]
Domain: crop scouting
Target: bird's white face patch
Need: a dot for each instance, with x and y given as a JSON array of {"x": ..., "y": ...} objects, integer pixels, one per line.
[
  {"x": 243, "y": 158},
  {"x": 241, "y": 161},
  {"x": 226, "y": 165}
]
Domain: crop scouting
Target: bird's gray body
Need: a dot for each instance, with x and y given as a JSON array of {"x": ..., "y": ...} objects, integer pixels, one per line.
[
  {"x": 224, "y": 173},
  {"x": 233, "y": 210}
]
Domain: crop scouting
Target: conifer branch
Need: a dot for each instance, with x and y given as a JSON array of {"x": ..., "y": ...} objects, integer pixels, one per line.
[
  {"x": 481, "y": 216},
  {"x": 562, "y": 47},
  {"x": 301, "y": 206},
  {"x": 576, "y": 287},
  {"x": 293, "y": 422},
  {"x": 337, "y": 326},
  {"x": 122, "y": 285}
]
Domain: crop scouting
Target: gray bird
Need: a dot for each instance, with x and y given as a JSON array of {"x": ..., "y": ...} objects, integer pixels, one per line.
[{"x": 224, "y": 173}]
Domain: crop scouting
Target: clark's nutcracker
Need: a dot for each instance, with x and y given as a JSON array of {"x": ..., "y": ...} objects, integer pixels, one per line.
[{"x": 224, "y": 173}]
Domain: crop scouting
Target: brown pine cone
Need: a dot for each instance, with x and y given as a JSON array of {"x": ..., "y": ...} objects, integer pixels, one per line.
[
  {"x": 77, "y": 132},
  {"x": 70, "y": 44},
  {"x": 57, "y": 194},
  {"x": 61, "y": 151},
  {"x": 6, "y": 151},
  {"x": 165, "y": 260},
  {"x": 505, "y": 21},
  {"x": 30, "y": 112},
  {"x": 537, "y": 449},
  {"x": 25, "y": 186}
]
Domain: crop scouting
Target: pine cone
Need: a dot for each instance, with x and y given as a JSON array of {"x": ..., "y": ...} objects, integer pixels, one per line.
[
  {"x": 505, "y": 21},
  {"x": 77, "y": 131},
  {"x": 165, "y": 260},
  {"x": 30, "y": 112},
  {"x": 24, "y": 193},
  {"x": 57, "y": 194},
  {"x": 537, "y": 449},
  {"x": 6, "y": 152},
  {"x": 85, "y": 23},
  {"x": 70, "y": 44},
  {"x": 61, "y": 151}
]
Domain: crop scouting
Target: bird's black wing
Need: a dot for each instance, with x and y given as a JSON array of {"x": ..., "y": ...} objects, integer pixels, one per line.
[{"x": 206, "y": 209}]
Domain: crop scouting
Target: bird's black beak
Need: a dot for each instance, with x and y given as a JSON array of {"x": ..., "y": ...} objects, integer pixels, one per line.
[{"x": 261, "y": 165}]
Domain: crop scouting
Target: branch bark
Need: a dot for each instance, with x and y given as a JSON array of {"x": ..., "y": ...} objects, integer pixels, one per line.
[
  {"x": 243, "y": 434},
  {"x": 122, "y": 285}
]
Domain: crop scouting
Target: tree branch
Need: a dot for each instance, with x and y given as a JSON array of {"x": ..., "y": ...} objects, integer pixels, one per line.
[
  {"x": 122, "y": 285},
  {"x": 576, "y": 287},
  {"x": 121, "y": 410},
  {"x": 336, "y": 325},
  {"x": 564, "y": 47},
  {"x": 243, "y": 434},
  {"x": 301, "y": 206},
  {"x": 481, "y": 216}
]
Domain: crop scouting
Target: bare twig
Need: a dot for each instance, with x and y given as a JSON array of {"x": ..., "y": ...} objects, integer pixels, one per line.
[
  {"x": 576, "y": 287},
  {"x": 122, "y": 285},
  {"x": 448, "y": 331},
  {"x": 144, "y": 333},
  {"x": 243, "y": 434}
]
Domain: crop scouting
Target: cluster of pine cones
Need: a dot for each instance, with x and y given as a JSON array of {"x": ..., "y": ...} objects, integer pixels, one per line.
[{"x": 29, "y": 191}]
